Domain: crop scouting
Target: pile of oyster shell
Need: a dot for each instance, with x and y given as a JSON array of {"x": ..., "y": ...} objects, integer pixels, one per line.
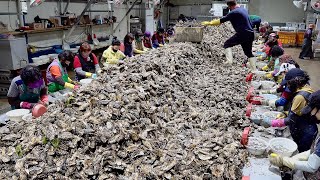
[{"x": 175, "y": 112}]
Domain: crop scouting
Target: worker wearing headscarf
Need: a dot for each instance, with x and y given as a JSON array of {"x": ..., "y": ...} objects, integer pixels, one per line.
[
  {"x": 57, "y": 75},
  {"x": 307, "y": 52},
  {"x": 274, "y": 64},
  {"x": 263, "y": 28},
  {"x": 256, "y": 22},
  {"x": 86, "y": 64},
  {"x": 303, "y": 131},
  {"x": 307, "y": 161},
  {"x": 244, "y": 36},
  {"x": 128, "y": 45},
  {"x": 273, "y": 40},
  {"x": 138, "y": 47},
  {"x": 28, "y": 89},
  {"x": 147, "y": 42},
  {"x": 113, "y": 55},
  {"x": 158, "y": 38}
]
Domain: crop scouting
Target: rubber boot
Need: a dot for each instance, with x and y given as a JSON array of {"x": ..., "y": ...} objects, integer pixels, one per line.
[
  {"x": 229, "y": 57},
  {"x": 253, "y": 65}
]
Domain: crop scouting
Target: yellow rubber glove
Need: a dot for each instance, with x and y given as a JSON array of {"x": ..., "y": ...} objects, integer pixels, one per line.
[
  {"x": 68, "y": 85},
  {"x": 269, "y": 76},
  {"x": 88, "y": 74},
  {"x": 281, "y": 116},
  {"x": 265, "y": 68},
  {"x": 69, "y": 80},
  {"x": 138, "y": 51},
  {"x": 279, "y": 161},
  {"x": 215, "y": 22}
]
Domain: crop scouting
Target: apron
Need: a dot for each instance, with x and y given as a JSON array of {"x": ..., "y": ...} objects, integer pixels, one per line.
[
  {"x": 53, "y": 86},
  {"x": 302, "y": 130},
  {"x": 87, "y": 66}
]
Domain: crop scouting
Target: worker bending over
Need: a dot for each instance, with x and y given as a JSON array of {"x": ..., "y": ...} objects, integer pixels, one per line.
[
  {"x": 86, "y": 64},
  {"x": 158, "y": 38},
  {"x": 28, "y": 89},
  {"x": 57, "y": 75},
  {"x": 303, "y": 131},
  {"x": 244, "y": 36},
  {"x": 307, "y": 161},
  {"x": 147, "y": 42},
  {"x": 138, "y": 46}
]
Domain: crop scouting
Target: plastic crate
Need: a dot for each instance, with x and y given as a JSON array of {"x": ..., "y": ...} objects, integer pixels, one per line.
[
  {"x": 288, "y": 38},
  {"x": 300, "y": 38}
]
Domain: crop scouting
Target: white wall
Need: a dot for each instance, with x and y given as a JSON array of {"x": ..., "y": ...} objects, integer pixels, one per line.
[{"x": 274, "y": 11}]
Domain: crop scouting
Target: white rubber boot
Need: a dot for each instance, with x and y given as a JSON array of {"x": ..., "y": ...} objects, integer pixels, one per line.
[
  {"x": 253, "y": 64},
  {"x": 229, "y": 57}
]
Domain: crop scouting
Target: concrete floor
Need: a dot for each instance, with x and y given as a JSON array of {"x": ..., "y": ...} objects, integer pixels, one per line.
[{"x": 311, "y": 66}]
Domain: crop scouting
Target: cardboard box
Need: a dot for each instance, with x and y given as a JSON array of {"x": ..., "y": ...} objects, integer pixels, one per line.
[{"x": 37, "y": 26}]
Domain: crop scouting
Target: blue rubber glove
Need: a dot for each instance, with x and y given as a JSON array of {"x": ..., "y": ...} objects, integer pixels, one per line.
[{"x": 94, "y": 76}]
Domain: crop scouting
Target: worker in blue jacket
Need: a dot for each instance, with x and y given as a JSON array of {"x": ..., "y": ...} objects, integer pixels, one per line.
[{"x": 244, "y": 36}]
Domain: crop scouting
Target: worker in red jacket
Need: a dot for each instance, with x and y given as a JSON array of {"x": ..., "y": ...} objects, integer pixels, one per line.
[
  {"x": 86, "y": 64},
  {"x": 158, "y": 38}
]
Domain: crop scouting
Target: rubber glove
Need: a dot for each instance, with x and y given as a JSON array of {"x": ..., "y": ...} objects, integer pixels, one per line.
[
  {"x": 26, "y": 105},
  {"x": 94, "y": 76},
  {"x": 272, "y": 103},
  {"x": 265, "y": 68},
  {"x": 279, "y": 161},
  {"x": 139, "y": 52},
  {"x": 214, "y": 22},
  {"x": 44, "y": 100},
  {"x": 68, "y": 85},
  {"x": 278, "y": 123},
  {"x": 272, "y": 91},
  {"x": 76, "y": 87},
  {"x": 269, "y": 76},
  {"x": 89, "y": 75}
]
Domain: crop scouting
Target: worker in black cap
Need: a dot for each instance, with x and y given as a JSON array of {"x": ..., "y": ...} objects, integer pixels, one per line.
[
  {"x": 308, "y": 161},
  {"x": 303, "y": 131}
]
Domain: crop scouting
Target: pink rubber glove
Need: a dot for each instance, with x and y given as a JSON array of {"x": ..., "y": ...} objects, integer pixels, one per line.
[
  {"x": 76, "y": 87},
  {"x": 26, "y": 105},
  {"x": 278, "y": 123},
  {"x": 44, "y": 99}
]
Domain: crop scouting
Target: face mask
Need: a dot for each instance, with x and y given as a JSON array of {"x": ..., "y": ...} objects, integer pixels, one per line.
[
  {"x": 65, "y": 64},
  {"x": 36, "y": 84}
]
